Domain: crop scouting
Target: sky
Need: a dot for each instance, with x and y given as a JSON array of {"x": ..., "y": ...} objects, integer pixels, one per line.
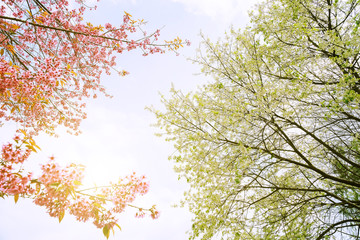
[{"x": 117, "y": 138}]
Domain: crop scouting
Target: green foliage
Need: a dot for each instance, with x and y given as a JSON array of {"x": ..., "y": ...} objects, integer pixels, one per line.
[{"x": 271, "y": 147}]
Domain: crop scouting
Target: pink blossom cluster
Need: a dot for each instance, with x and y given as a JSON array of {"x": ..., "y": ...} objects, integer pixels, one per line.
[
  {"x": 58, "y": 185},
  {"x": 12, "y": 154},
  {"x": 12, "y": 180},
  {"x": 154, "y": 213},
  {"x": 51, "y": 59},
  {"x": 59, "y": 193}
]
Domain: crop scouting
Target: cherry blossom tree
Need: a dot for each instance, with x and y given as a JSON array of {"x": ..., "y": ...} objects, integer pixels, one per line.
[{"x": 50, "y": 61}]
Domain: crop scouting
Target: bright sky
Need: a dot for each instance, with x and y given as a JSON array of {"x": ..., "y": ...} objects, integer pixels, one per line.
[{"x": 117, "y": 138}]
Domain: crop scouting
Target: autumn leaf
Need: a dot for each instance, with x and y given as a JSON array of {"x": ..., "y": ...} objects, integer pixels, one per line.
[{"x": 16, "y": 198}]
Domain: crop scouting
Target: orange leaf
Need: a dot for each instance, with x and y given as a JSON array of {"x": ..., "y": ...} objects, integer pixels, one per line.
[
  {"x": 23, "y": 132},
  {"x": 128, "y": 14},
  {"x": 14, "y": 26},
  {"x": 38, "y": 187},
  {"x": 16, "y": 198},
  {"x": 61, "y": 216}
]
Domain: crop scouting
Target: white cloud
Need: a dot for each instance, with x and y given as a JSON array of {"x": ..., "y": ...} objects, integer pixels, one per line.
[
  {"x": 225, "y": 11},
  {"x": 133, "y": 2}
]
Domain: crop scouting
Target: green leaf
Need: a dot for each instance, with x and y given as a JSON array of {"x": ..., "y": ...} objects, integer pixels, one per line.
[
  {"x": 34, "y": 181},
  {"x": 101, "y": 196},
  {"x": 77, "y": 182},
  {"x": 106, "y": 231},
  {"x": 118, "y": 226},
  {"x": 55, "y": 184}
]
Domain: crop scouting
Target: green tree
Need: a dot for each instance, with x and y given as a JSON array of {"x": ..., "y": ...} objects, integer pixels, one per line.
[{"x": 271, "y": 146}]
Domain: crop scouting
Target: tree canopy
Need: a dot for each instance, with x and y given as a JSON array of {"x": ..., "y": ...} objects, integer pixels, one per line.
[
  {"x": 271, "y": 146},
  {"x": 50, "y": 61}
]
